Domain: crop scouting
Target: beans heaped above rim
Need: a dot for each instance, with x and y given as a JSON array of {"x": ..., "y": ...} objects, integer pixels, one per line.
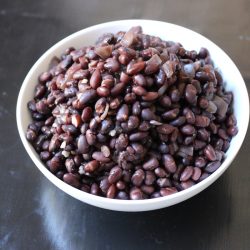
[{"x": 131, "y": 117}]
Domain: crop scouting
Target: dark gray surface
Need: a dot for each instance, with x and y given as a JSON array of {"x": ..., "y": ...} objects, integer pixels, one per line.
[{"x": 34, "y": 214}]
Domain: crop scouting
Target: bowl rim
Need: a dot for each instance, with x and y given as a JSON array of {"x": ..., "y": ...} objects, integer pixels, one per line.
[{"x": 83, "y": 196}]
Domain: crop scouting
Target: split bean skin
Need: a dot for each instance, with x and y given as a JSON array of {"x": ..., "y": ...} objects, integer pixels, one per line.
[{"x": 132, "y": 117}]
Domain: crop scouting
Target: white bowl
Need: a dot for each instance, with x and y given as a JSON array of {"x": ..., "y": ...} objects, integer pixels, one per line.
[{"x": 190, "y": 40}]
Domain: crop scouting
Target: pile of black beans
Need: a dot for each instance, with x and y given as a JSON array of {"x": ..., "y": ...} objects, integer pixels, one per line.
[{"x": 133, "y": 117}]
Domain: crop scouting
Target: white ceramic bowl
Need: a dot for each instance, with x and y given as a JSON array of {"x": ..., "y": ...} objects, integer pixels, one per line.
[{"x": 190, "y": 40}]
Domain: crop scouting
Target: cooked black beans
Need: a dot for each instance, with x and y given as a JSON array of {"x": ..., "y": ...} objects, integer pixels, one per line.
[{"x": 133, "y": 117}]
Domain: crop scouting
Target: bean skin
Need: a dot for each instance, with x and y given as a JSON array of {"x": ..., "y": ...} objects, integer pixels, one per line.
[
  {"x": 86, "y": 114},
  {"x": 72, "y": 180},
  {"x": 160, "y": 172},
  {"x": 138, "y": 136},
  {"x": 200, "y": 162},
  {"x": 91, "y": 166},
  {"x": 168, "y": 191},
  {"x": 138, "y": 90},
  {"x": 151, "y": 164},
  {"x": 100, "y": 157},
  {"x": 212, "y": 166},
  {"x": 115, "y": 174},
  {"x": 171, "y": 114},
  {"x": 136, "y": 194},
  {"x": 95, "y": 190},
  {"x": 31, "y": 135},
  {"x": 140, "y": 80},
  {"x": 136, "y": 109},
  {"x": 103, "y": 91},
  {"x": 149, "y": 178},
  {"x": 169, "y": 163},
  {"x": 95, "y": 79},
  {"x": 112, "y": 65},
  {"x": 138, "y": 177},
  {"x": 196, "y": 174},
  {"x": 82, "y": 145},
  {"x": 210, "y": 153},
  {"x": 135, "y": 67},
  {"x": 190, "y": 94},
  {"x": 133, "y": 122},
  {"x": 122, "y": 114},
  {"x": 165, "y": 129},
  {"x": 111, "y": 192},
  {"x": 87, "y": 96},
  {"x": 178, "y": 121},
  {"x": 202, "y": 121},
  {"x": 188, "y": 130},
  {"x": 187, "y": 173},
  {"x": 118, "y": 89}
]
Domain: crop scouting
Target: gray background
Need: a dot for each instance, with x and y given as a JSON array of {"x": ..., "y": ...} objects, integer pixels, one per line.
[{"x": 34, "y": 214}]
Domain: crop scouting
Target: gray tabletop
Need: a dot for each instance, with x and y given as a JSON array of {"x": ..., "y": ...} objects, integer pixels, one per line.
[{"x": 34, "y": 214}]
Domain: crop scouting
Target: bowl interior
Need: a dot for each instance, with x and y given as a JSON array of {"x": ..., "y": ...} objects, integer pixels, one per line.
[{"x": 191, "y": 41}]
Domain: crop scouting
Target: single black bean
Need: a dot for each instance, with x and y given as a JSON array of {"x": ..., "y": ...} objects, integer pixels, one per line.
[
  {"x": 136, "y": 108},
  {"x": 187, "y": 184},
  {"x": 133, "y": 122},
  {"x": 100, "y": 157},
  {"x": 163, "y": 182},
  {"x": 168, "y": 191},
  {"x": 203, "y": 134},
  {"x": 138, "y": 136},
  {"x": 232, "y": 130},
  {"x": 140, "y": 80},
  {"x": 121, "y": 195},
  {"x": 147, "y": 189},
  {"x": 31, "y": 135},
  {"x": 212, "y": 166},
  {"x": 160, "y": 172},
  {"x": 169, "y": 163},
  {"x": 138, "y": 177},
  {"x": 187, "y": 173},
  {"x": 45, "y": 156},
  {"x": 165, "y": 101},
  {"x": 149, "y": 178},
  {"x": 103, "y": 91},
  {"x": 200, "y": 162},
  {"x": 111, "y": 192},
  {"x": 165, "y": 129},
  {"x": 147, "y": 114},
  {"x": 144, "y": 126},
  {"x": 151, "y": 164},
  {"x": 94, "y": 189},
  {"x": 191, "y": 94},
  {"x": 178, "y": 121},
  {"x": 134, "y": 68},
  {"x": 87, "y": 96},
  {"x": 122, "y": 114},
  {"x": 40, "y": 91},
  {"x": 82, "y": 145},
  {"x": 115, "y": 174},
  {"x": 118, "y": 89},
  {"x": 188, "y": 130},
  {"x": 202, "y": 121},
  {"x": 32, "y": 106},
  {"x": 112, "y": 65},
  {"x": 91, "y": 166},
  {"x": 136, "y": 194},
  {"x": 70, "y": 165},
  {"x": 72, "y": 180},
  {"x": 171, "y": 114},
  {"x": 210, "y": 153}
]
